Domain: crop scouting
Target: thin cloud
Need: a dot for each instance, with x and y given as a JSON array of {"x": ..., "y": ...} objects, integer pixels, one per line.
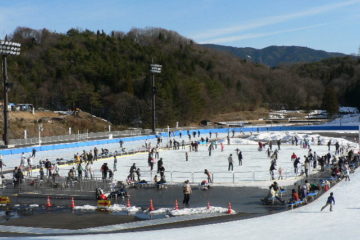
[
  {"x": 258, "y": 35},
  {"x": 272, "y": 20}
]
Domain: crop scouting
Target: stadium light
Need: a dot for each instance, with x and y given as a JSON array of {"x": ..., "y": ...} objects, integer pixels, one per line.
[
  {"x": 7, "y": 48},
  {"x": 154, "y": 68}
]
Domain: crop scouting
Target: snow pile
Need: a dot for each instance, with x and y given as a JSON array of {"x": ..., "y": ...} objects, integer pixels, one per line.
[
  {"x": 346, "y": 120},
  {"x": 348, "y": 110},
  {"x": 160, "y": 211},
  {"x": 242, "y": 141},
  {"x": 188, "y": 211},
  {"x": 121, "y": 208},
  {"x": 199, "y": 210},
  {"x": 112, "y": 208},
  {"x": 85, "y": 208},
  {"x": 287, "y": 137}
]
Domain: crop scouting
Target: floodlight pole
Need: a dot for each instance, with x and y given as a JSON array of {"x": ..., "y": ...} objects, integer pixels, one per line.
[
  {"x": 7, "y": 48},
  {"x": 6, "y": 100},
  {"x": 153, "y": 103},
  {"x": 154, "y": 68}
]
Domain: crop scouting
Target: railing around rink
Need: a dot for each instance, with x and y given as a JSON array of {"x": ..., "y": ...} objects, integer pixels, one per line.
[
  {"x": 197, "y": 177},
  {"x": 78, "y": 137}
]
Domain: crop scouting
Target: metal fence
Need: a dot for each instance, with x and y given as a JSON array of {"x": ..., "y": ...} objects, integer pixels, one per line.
[
  {"x": 78, "y": 137},
  {"x": 88, "y": 136},
  {"x": 58, "y": 185},
  {"x": 175, "y": 177}
]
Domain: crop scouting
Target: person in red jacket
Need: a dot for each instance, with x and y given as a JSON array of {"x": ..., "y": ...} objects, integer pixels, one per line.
[
  {"x": 294, "y": 196},
  {"x": 293, "y": 157}
]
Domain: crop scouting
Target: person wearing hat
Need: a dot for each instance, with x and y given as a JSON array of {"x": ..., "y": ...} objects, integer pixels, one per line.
[{"x": 330, "y": 201}]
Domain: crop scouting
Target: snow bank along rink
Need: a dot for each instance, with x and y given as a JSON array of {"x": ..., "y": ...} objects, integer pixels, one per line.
[
  {"x": 253, "y": 172},
  {"x": 306, "y": 222}
]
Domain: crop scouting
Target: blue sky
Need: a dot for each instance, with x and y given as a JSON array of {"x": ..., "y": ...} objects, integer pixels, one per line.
[{"x": 331, "y": 25}]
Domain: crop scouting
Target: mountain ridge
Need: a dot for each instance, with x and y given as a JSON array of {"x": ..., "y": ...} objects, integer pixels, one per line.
[{"x": 274, "y": 56}]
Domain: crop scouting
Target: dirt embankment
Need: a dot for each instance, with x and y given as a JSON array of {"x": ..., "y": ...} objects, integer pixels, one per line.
[{"x": 52, "y": 123}]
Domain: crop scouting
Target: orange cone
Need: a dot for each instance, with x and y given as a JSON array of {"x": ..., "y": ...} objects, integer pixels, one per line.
[
  {"x": 151, "y": 208},
  {"x": 72, "y": 203},
  {"x": 229, "y": 211},
  {"x": 208, "y": 205},
  {"x": 48, "y": 202},
  {"x": 128, "y": 203},
  {"x": 176, "y": 205}
]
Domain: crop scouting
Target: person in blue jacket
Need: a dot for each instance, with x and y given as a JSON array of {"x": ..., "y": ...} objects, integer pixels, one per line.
[{"x": 330, "y": 201}]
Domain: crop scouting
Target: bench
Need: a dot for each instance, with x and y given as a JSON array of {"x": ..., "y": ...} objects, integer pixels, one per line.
[
  {"x": 312, "y": 195},
  {"x": 295, "y": 204}
]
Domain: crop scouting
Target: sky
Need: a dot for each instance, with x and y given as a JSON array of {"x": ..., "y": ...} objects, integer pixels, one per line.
[{"x": 330, "y": 25}]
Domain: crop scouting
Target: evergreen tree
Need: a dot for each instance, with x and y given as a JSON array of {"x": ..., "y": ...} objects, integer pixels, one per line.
[{"x": 330, "y": 101}]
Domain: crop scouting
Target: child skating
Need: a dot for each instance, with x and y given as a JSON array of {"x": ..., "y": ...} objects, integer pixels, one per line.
[{"x": 330, "y": 201}]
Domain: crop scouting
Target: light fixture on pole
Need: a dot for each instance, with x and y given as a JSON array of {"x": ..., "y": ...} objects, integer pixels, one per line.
[
  {"x": 7, "y": 48},
  {"x": 154, "y": 68}
]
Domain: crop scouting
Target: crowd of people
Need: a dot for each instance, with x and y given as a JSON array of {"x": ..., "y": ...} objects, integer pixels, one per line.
[{"x": 339, "y": 161}]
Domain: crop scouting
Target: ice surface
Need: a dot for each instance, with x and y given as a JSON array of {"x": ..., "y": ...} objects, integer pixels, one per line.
[{"x": 255, "y": 165}]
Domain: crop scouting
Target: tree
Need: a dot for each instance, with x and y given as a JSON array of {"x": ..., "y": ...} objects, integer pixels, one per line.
[{"x": 330, "y": 101}]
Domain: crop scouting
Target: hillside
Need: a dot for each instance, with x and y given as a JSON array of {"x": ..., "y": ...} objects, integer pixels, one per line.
[
  {"x": 108, "y": 76},
  {"x": 53, "y": 123},
  {"x": 277, "y": 55}
]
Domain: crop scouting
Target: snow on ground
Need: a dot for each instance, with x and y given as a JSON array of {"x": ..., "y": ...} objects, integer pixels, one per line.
[
  {"x": 112, "y": 208},
  {"x": 199, "y": 210},
  {"x": 306, "y": 222},
  {"x": 254, "y": 171},
  {"x": 347, "y": 120},
  {"x": 348, "y": 110}
]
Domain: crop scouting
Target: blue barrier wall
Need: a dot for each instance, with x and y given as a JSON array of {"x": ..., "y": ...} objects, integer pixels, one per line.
[{"x": 176, "y": 133}]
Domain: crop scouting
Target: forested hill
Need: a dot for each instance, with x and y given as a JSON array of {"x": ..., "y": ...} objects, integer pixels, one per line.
[
  {"x": 277, "y": 55},
  {"x": 108, "y": 75}
]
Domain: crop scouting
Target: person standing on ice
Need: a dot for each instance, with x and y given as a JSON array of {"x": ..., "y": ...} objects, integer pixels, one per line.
[
  {"x": 228, "y": 140},
  {"x": 278, "y": 144},
  {"x": 209, "y": 175},
  {"x": 160, "y": 163},
  {"x": 2, "y": 164},
  {"x": 230, "y": 160},
  {"x": 268, "y": 151},
  {"x": 115, "y": 164},
  {"x": 272, "y": 170},
  {"x": 187, "y": 192},
  {"x": 296, "y": 163},
  {"x": 33, "y": 152},
  {"x": 307, "y": 166},
  {"x": 88, "y": 171},
  {"x": 240, "y": 157},
  {"x": 330, "y": 201},
  {"x": 329, "y": 144},
  {"x": 315, "y": 158},
  {"x": 280, "y": 172},
  {"x": 132, "y": 172},
  {"x": 104, "y": 170},
  {"x": 222, "y": 146}
]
